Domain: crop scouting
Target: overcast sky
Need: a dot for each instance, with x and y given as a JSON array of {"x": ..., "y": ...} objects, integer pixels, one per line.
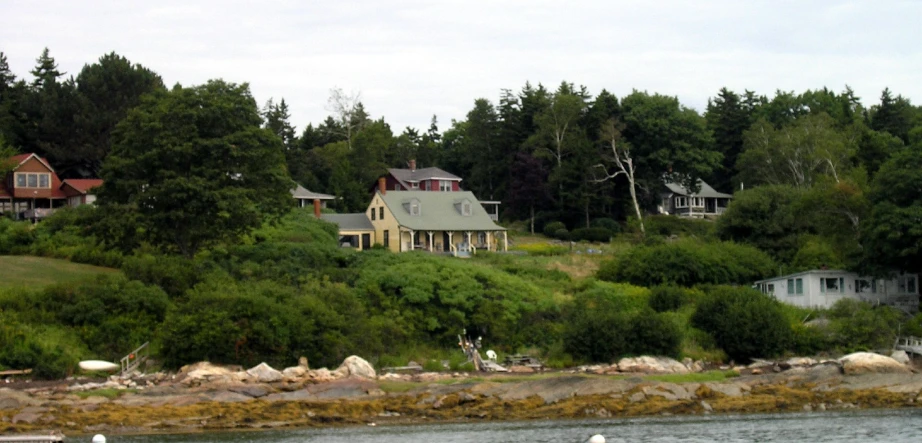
[{"x": 412, "y": 59}]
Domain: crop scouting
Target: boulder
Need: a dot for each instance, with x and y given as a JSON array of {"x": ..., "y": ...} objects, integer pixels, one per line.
[
  {"x": 264, "y": 373},
  {"x": 870, "y": 363},
  {"x": 901, "y": 356},
  {"x": 800, "y": 361},
  {"x": 205, "y": 372},
  {"x": 302, "y": 362},
  {"x": 356, "y": 366},
  {"x": 651, "y": 365},
  {"x": 322, "y": 375},
  {"x": 294, "y": 372}
]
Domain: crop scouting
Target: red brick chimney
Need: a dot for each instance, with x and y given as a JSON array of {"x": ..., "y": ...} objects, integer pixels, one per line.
[
  {"x": 317, "y": 207},
  {"x": 413, "y": 164},
  {"x": 382, "y": 185}
]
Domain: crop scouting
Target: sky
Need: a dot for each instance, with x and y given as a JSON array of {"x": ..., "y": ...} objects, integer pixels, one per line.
[{"x": 412, "y": 59}]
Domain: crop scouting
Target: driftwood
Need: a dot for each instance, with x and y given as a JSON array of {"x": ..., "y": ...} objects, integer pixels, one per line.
[{"x": 15, "y": 372}]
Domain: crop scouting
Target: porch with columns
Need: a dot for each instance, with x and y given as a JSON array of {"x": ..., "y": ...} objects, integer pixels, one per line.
[{"x": 456, "y": 243}]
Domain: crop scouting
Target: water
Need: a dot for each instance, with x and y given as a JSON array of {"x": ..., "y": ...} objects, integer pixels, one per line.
[{"x": 891, "y": 426}]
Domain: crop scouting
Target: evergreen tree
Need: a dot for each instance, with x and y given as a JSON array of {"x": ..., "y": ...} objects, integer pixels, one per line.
[
  {"x": 45, "y": 71},
  {"x": 727, "y": 118}
]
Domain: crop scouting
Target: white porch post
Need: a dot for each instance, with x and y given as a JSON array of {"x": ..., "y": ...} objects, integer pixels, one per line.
[
  {"x": 412, "y": 243},
  {"x": 489, "y": 241},
  {"x": 450, "y": 244},
  {"x": 505, "y": 242},
  {"x": 430, "y": 240}
]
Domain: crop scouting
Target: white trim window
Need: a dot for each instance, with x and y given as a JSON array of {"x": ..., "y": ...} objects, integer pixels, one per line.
[
  {"x": 414, "y": 185},
  {"x": 795, "y": 286},
  {"x": 466, "y": 208},
  {"x": 681, "y": 202},
  {"x": 445, "y": 185},
  {"x": 906, "y": 284},
  {"x": 34, "y": 180},
  {"x": 835, "y": 285},
  {"x": 865, "y": 286},
  {"x": 697, "y": 202},
  {"x": 414, "y": 207}
]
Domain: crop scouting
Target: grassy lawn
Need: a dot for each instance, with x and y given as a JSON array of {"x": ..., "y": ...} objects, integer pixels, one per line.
[{"x": 38, "y": 272}]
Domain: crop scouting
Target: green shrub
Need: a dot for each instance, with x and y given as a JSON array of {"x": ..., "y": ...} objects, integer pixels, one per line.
[
  {"x": 550, "y": 229},
  {"x": 606, "y": 223},
  {"x": 859, "y": 326},
  {"x": 15, "y": 237},
  {"x": 745, "y": 323},
  {"x": 111, "y": 314},
  {"x": 688, "y": 263},
  {"x": 601, "y": 235},
  {"x": 669, "y": 225},
  {"x": 542, "y": 249},
  {"x": 607, "y": 321},
  {"x": 174, "y": 274},
  {"x": 665, "y": 298}
]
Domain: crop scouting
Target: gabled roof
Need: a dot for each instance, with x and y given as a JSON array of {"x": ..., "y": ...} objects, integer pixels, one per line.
[
  {"x": 405, "y": 176},
  {"x": 810, "y": 272},
  {"x": 301, "y": 193},
  {"x": 705, "y": 191},
  {"x": 439, "y": 211},
  {"x": 82, "y": 185},
  {"x": 349, "y": 222},
  {"x": 22, "y": 158}
]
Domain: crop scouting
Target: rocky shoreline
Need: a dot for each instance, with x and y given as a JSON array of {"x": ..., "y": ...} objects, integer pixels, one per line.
[{"x": 205, "y": 397}]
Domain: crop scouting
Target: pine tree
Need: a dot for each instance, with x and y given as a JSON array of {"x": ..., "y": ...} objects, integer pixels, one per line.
[{"x": 46, "y": 70}]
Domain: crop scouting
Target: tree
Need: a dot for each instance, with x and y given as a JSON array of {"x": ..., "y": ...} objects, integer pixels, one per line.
[
  {"x": 277, "y": 116},
  {"x": 892, "y": 238},
  {"x": 797, "y": 154},
  {"x": 744, "y": 323},
  {"x": 894, "y": 115},
  {"x": 45, "y": 71},
  {"x": 196, "y": 168},
  {"x": 108, "y": 89},
  {"x": 528, "y": 186},
  {"x": 667, "y": 141},
  {"x": 480, "y": 141},
  {"x": 349, "y": 112},
  {"x": 621, "y": 156},
  {"x": 727, "y": 118},
  {"x": 766, "y": 217}
]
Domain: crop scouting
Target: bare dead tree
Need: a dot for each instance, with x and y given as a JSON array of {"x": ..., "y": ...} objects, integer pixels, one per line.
[
  {"x": 346, "y": 107},
  {"x": 624, "y": 163}
]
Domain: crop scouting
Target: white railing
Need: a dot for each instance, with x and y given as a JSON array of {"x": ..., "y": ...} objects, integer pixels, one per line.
[{"x": 494, "y": 217}]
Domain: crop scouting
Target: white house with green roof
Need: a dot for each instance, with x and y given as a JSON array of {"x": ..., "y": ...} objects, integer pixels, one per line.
[{"x": 440, "y": 222}]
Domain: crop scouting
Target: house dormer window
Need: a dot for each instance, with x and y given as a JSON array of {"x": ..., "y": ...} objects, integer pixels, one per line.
[
  {"x": 35, "y": 180},
  {"x": 414, "y": 185},
  {"x": 413, "y": 207}
]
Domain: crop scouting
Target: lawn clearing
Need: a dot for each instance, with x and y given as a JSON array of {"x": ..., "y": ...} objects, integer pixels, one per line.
[{"x": 38, "y": 272}]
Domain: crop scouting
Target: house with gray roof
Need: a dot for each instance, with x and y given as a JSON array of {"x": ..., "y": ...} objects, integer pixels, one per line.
[
  {"x": 355, "y": 230},
  {"x": 431, "y": 179},
  {"x": 306, "y": 198},
  {"x": 452, "y": 223},
  {"x": 706, "y": 202}
]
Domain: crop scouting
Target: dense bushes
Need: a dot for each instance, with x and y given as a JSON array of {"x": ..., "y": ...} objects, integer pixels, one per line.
[
  {"x": 669, "y": 225},
  {"x": 687, "y": 263},
  {"x": 600, "y": 235},
  {"x": 550, "y": 229},
  {"x": 606, "y": 322},
  {"x": 111, "y": 314},
  {"x": 666, "y": 298},
  {"x": 744, "y": 323}
]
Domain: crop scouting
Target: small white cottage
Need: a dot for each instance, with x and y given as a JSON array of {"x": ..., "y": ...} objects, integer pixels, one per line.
[{"x": 823, "y": 288}]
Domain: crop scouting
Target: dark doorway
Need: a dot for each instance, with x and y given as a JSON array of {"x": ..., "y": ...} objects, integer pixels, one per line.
[{"x": 366, "y": 241}]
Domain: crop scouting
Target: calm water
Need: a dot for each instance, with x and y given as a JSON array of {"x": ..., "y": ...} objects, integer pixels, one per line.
[{"x": 890, "y": 426}]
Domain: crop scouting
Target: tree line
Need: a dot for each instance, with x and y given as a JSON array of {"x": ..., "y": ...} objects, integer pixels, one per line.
[{"x": 549, "y": 154}]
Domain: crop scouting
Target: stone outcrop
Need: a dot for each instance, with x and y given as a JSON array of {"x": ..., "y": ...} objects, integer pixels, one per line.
[
  {"x": 205, "y": 372},
  {"x": 901, "y": 356},
  {"x": 264, "y": 373},
  {"x": 355, "y": 366},
  {"x": 652, "y": 365},
  {"x": 870, "y": 363}
]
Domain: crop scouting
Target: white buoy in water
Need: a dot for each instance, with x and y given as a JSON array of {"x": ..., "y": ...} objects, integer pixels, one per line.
[
  {"x": 597, "y": 439},
  {"x": 99, "y": 438}
]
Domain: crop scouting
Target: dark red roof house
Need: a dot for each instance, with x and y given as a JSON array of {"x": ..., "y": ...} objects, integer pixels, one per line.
[{"x": 33, "y": 190}]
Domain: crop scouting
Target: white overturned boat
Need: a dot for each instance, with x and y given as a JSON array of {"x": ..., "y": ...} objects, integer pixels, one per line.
[{"x": 98, "y": 365}]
